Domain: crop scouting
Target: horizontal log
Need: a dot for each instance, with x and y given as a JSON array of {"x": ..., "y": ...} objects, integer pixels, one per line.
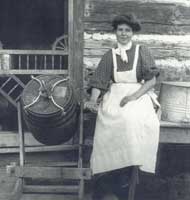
[
  {"x": 156, "y": 17},
  {"x": 170, "y": 69},
  {"x": 162, "y": 47},
  {"x": 179, "y": 53},
  {"x": 146, "y": 28},
  {"x": 92, "y": 62},
  {"x": 179, "y": 2},
  {"x": 108, "y": 39}
]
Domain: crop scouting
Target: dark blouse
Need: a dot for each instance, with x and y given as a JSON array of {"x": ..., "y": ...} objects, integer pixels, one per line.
[{"x": 103, "y": 74}]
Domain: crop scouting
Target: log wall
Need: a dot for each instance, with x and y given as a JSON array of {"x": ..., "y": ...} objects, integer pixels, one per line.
[{"x": 165, "y": 29}]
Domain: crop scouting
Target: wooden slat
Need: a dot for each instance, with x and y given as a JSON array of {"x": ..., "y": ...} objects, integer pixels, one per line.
[
  {"x": 53, "y": 172},
  {"x": 49, "y": 197},
  {"x": 27, "y": 61},
  {"x": 53, "y": 189},
  {"x": 19, "y": 61},
  {"x": 10, "y": 139},
  {"x": 45, "y": 62},
  {"x": 40, "y": 149},
  {"x": 53, "y": 164}
]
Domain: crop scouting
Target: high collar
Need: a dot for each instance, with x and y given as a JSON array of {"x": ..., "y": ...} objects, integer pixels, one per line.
[{"x": 126, "y": 47}]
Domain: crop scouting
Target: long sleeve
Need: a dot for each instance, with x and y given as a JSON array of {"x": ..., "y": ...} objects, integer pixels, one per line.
[
  {"x": 147, "y": 63},
  {"x": 103, "y": 73}
]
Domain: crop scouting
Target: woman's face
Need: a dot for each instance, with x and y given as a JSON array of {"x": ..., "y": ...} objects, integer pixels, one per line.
[{"x": 123, "y": 33}]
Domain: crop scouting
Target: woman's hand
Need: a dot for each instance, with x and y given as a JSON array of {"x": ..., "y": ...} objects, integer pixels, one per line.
[
  {"x": 91, "y": 105},
  {"x": 127, "y": 99}
]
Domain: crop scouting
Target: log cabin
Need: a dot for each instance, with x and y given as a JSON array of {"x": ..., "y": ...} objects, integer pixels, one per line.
[{"x": 165, "y": 29}]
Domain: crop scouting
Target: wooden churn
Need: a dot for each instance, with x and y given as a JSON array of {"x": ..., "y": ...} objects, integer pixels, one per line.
[{"x": 50, "y": 109}]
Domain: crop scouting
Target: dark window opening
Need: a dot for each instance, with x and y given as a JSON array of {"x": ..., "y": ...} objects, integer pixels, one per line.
[{"x": 32, "y": 24}]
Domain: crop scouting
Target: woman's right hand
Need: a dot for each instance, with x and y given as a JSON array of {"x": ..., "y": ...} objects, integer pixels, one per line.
[{"x": 91, "y": 105}]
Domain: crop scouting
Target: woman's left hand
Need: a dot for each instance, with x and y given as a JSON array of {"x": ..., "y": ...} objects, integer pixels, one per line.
[{"x": 127, "y": 99}]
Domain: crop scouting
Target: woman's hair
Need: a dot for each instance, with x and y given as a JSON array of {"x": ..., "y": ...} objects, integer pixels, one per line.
[{"x": 128, "y": 19}]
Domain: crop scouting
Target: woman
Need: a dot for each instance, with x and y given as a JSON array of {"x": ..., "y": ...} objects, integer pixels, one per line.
[{"x": 127, "y": 127}]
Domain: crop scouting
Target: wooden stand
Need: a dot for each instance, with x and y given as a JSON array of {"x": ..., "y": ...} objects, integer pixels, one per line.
[{"x": 73, "y": 172}]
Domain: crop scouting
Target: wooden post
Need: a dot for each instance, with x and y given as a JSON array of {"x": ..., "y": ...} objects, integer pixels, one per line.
[
  {"x": 76, "y": 17},
  {"x": 21, "y": 135}
]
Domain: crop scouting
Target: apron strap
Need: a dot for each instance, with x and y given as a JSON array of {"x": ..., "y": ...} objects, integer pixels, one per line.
[
  {"x": 114, "y": 63},
  {"x": 136, "y": 57}
]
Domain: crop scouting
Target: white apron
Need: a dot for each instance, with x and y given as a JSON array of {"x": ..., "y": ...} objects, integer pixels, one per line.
[{"x": 129, "y": 135}]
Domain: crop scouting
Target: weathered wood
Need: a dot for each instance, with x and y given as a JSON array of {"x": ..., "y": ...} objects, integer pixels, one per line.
[
  {"x": 17, "y": 192},
  {"x": 21, "y": 134},
  {"x": 53, "y": 172},
  {"x": 11, "y": 139},
  {"x": 77, "y": 71},
  {"x": 53, "y": 189},
  {"x": 175, "y": 135},
  {"x": 39, "y": 149},
  {"x": 180, "y": 2},
  {"x": 54, "y": 164},
  {"x": 156, "y": 17},
  {"x": 177, "y": 47},
  {"x": 71, "y": 38},
  {"x": 48, "y": 197}
]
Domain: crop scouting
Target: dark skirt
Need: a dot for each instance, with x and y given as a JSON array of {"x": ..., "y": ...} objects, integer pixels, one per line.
[{"x": 115, "y": 182}]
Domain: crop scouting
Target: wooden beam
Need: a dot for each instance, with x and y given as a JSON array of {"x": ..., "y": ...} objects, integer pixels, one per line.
[
  {"x": 71, "y": 37},
  {"x": 78, "y": 29}
]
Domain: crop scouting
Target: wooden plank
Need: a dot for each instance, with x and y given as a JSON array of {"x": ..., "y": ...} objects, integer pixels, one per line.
[
  {"x": 49, "y": 197},
  {"x": 39, "y": 149},
  {"x": 155, "y": 17},
  {"x": 53, "y": 172},
  {"x": 53, "y": 164},
  {"x": 51, "y": 189},
  {"x": 175, "y": 135},
  {"x": 11, "y": 139}
]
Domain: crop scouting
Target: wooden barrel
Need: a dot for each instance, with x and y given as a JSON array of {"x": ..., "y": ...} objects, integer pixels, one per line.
[
  {"x": 175, "y": 101},
  {"x": 50, "y": 109}
]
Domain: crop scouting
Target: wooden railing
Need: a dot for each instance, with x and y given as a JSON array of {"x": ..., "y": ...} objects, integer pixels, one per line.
[{"x": 33, "y": 61}]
